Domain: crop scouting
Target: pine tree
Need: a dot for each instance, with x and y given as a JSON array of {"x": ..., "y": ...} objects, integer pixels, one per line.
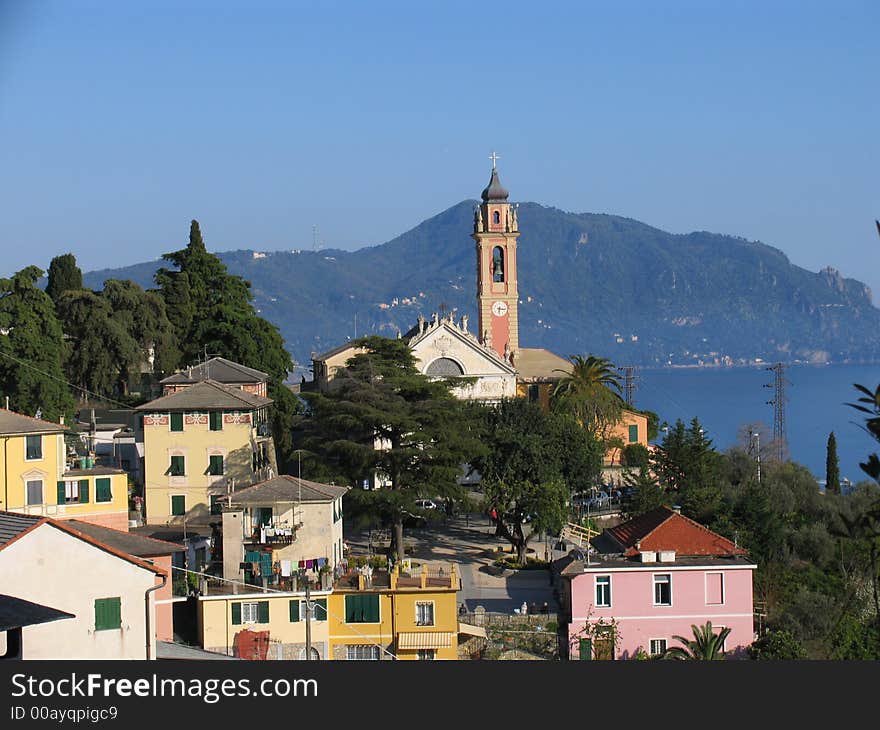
[
  {"x": 832, "y": 467},
  {"x": 64, "y": 275},
  {"x": 31, "y": 348},
  {"x": 383, "y": 418}
]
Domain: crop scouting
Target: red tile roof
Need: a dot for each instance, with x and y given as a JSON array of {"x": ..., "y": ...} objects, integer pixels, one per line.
[{"x": 665, "y": 529}]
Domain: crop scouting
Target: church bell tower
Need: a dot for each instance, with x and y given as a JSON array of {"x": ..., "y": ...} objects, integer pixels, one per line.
[{"x": 496, "y": 231}]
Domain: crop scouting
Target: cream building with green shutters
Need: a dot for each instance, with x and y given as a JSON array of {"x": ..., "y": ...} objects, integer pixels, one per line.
[
  {"x": 38, "y": 477},
  {"x": 200, "y": 443}
]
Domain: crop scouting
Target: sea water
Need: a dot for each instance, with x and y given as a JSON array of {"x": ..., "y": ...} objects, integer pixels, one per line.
[{"x": 727, "y": 399}]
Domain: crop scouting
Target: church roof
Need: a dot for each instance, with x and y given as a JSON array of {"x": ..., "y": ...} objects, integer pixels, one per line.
[
  {"x": 494, "y": 190},
  {"x": 469, "y": 339},
  {"x": 538, "y": 364}
]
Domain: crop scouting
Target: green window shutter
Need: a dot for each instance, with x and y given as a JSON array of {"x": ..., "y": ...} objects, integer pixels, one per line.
[
  {"x": 178, "y": 466},
  {"x": 102, "y": 490},
  {"x": 216, "y": 420},
  {"x": 633, "y": 434},
  {"x": 216, "y": 506},
  {"x": 177, "y": 422},
  {"x": 351, "y": 606},
  {"x": 252, "y": 556},
  {"x": 83, "y": 491},
  {"x": 263, "y": 612},
  {"x": 320, "y": 609},
  {"x": 62, "y": 494},
  {"x": 236, "y": 614},
  {"x": 215, "y": 465},
  {"x": 294, "y": 610},
  {"x": 371, "y": 610},
  {"x": 108, "y": 613},
  {"x": 585, "y": 649},
  {"x": 178, "y": 505}
]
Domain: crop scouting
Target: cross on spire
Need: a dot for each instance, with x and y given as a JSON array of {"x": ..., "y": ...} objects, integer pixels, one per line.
[{"x": 494, "y": 157}]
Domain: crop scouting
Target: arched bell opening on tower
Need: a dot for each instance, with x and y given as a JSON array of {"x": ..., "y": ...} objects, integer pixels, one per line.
[
  {"x": 496, "y": 218},
  {"x": 497, "y": 264}
]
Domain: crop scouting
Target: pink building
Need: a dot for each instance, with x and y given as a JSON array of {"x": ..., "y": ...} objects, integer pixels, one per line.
[{"x": 650, "y": 579}]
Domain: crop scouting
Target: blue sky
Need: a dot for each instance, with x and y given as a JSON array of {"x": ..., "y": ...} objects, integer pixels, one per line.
[{"x": 121, "y": 121}]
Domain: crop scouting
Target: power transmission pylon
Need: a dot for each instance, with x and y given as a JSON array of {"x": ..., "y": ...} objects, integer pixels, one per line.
[
  {"x": 778, "y": 402},
  {"x": 629, "y": 384}
]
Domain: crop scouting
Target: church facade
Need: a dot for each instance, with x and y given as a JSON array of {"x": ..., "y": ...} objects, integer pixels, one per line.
[{"x": 491, "y": 357}]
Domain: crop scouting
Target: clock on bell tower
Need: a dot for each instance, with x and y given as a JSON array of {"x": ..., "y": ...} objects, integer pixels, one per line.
[{"x": 496, "y": 231}]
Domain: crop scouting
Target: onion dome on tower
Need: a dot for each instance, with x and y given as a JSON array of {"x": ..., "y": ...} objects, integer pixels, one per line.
[{"x": 494, "y": 190}]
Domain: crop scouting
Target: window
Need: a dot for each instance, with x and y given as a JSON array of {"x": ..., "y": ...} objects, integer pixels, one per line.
[
  {"x": 108, "y": 614},
  {"x": 73, "y": 492},
  {"x": 663, "y": 590},
  {"x": 534, "y": 393},
  {"x": 362, "y": 651},
  {"x": 424, "y": 613},
  {"x": 215, "y": 419},
  {"x": 425, "y": 654},
  {"x": 585, "y": 649},
  {"x": 34, "y": 491},
  {"x": 102, "y": 490},
  {"x": 216, "y": 505},
  {"x": 714, "y": 588},
  {"x": 298, "y": 610},
  {"x": 362, "y": 609},
  {"x": 251, "y": 612},
  {"x": 178, "y": 466},
  {"x": 178, "y": 505},
  {"x": 33, "y": 448},
  {"x": 498, "y": 264},
  {"x": 496, "y": 217},
  {"x": 215, "y": 465},
  {"x": 633, "y": 434},
  {"x": 177, "y": 422},
  {"x": 657, "y": 647},
  {"x": 603, "y": 591}
]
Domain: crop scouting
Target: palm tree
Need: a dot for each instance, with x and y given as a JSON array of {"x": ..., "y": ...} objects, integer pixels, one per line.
[
  {"x": 705, "y": 646},
  {"x": 591, "y": 392}
]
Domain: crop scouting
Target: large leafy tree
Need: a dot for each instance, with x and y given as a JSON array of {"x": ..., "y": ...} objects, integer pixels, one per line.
[
  {"x": 211, "y": 312},
  {"x": 31, "y": 348},
  {"x": 64, "y": 275},
  {"x": 383, "y": 418},
  {"x": 590, "y": 391},
  {"x": 706, "y": 644},
  {"x": 532, "y": 463},
  {"x": 98, "y": 350}
]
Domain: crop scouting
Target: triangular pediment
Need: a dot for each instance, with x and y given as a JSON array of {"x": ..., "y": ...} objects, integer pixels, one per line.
[{"x": 446, "y": 340}]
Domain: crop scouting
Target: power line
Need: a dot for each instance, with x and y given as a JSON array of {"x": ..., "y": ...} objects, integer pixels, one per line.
[{"x": 629, "y": 384}]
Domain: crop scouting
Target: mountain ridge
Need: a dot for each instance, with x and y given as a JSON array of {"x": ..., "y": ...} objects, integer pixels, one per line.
[{"x": 588, "y": 282}]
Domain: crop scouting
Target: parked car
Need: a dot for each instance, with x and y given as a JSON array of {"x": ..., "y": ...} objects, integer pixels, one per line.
[
  {"x": 600, "y": 500},
  {"x": 426, "y": 504}
]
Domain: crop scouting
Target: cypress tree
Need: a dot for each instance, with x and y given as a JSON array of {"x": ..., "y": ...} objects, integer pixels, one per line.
[
  {"x": 832, "y": 468},
  {"x": 64, "y": 275}
]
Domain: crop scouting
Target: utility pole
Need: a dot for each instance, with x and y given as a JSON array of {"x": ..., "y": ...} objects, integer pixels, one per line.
[
  {"x": 629, "y": 384},
  {"x": 755, "y": 448},
  {"x": 308, "y": 620},
  {"x": 778, "y": 403}
]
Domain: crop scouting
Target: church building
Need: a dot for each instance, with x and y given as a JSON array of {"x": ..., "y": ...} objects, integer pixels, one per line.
[{"x": 492, "y": 355}]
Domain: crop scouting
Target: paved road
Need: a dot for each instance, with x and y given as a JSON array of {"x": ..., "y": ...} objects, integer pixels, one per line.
[{"x": 470, "y": 544}]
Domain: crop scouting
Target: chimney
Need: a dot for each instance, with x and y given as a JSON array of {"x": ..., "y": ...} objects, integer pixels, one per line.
[
  {"x": 676, "y": 508},
  {"x": 61, "y": 420}
]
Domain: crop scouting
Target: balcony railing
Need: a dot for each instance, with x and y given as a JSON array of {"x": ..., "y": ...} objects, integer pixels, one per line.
[{"x": 272, "y": 535}]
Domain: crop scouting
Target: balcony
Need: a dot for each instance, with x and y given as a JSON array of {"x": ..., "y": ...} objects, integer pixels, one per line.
[{"x": 272, "y": 535}]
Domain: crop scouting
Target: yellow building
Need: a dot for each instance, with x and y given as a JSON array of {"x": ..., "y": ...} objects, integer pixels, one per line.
[
  {"x": 38, "y": 477},
  {"x": 387, "y": 616},
  {"x": 200, "y": 443},
  {"x": 257, "y": 625}
]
